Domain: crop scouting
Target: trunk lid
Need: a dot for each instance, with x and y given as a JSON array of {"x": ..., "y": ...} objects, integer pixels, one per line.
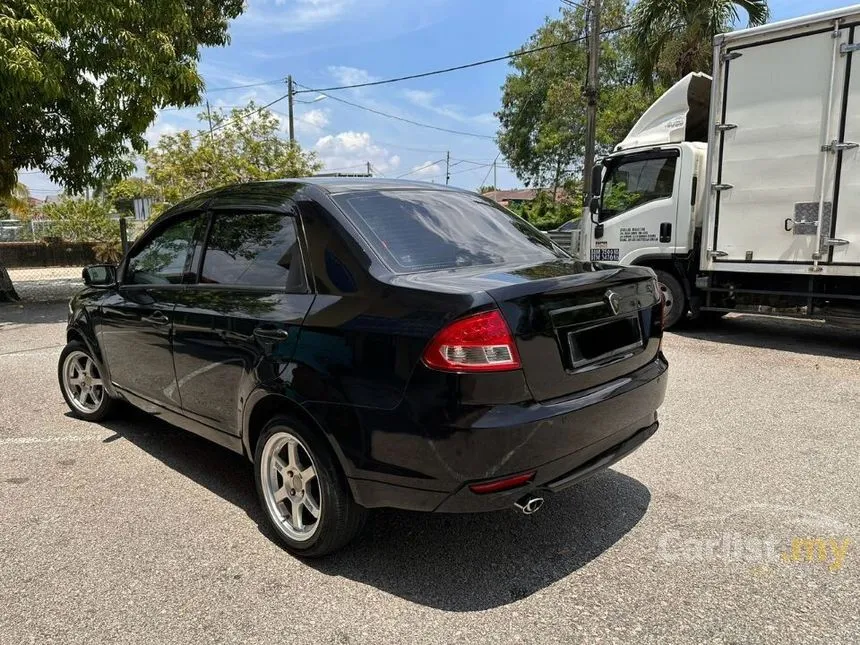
[{"x": 579, "y": 325}]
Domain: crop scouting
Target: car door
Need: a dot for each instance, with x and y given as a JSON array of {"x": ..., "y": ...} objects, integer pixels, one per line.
[
  {"x": 638, "y": 212},
  {"x": 137, "y": 319},
  {"x": 238, "y": 326}
]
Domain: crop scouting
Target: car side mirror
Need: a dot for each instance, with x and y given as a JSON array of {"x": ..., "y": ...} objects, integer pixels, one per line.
[{"x": 99, "y": 275}]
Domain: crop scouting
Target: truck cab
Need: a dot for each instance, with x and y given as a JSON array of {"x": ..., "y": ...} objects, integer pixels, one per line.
[{"x": 650, "y": 192}]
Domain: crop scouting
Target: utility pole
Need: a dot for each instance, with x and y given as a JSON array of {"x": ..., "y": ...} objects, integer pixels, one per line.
[
  {"x": 495, "y": 185},
  {"x": 591, "y": 95},
  {"x": 447, "y": 167},
  {"x": 369, "y": 170},
  {"x": 209, "y": 118},
  {"x": 290, "y": 104}
]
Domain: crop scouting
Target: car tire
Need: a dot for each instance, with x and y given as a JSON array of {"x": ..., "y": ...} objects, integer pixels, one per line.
[
  {"x": 676, "y": 301},
  {"x": 302, "y": 490},
  {"x": 82, "y": 384}
]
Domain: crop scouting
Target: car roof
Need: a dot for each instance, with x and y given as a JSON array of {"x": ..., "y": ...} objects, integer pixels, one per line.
[
  {"x": 274, "y": 193},
  {"x": 350, "y": 184}
]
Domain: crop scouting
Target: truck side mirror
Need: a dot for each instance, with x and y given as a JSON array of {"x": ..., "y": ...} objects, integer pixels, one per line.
[
  {"x": 594, "y": 205},
  {"x": 596, "y": 180}
]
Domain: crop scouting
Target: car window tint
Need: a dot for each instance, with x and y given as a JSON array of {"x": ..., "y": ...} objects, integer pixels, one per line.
[
  {"x": 635, "y": 183},
  {"x": 420, "y": 230},
  {"x": 164, "y": 259},
  {"x": 253, "y": 249}
]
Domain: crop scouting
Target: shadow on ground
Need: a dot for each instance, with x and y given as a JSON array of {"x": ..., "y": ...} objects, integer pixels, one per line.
[
  {"x": 785, "y": 334},
  {"x": 34, "y": 313},
  {"x": 450, "y": 562}
]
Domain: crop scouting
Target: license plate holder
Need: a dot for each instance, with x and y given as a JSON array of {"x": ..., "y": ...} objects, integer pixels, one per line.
[{"x": 606, "y": 341}]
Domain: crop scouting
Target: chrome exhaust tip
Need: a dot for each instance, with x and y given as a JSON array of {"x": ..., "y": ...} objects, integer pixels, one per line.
[{"x": 530, "y": 504}]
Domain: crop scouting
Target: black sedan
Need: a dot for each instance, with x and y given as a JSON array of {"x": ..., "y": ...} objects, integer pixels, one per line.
[{"x": 372, "y": 343}]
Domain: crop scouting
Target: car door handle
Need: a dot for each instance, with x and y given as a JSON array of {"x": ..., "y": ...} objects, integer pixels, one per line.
[
  {"x": 157, "y": 318},
  {"x": 271, "y": 333}
]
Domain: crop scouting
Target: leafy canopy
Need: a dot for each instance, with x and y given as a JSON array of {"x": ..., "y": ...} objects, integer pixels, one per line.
[
  {"x": 673, "y": 37},
  {"x": 244, "y": 146},
  {"x": 81, "y": 80},
  {"x": 543, "y": 114}
]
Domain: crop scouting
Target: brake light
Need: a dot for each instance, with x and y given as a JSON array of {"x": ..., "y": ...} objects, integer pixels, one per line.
[{"x": 478, "y": 343}]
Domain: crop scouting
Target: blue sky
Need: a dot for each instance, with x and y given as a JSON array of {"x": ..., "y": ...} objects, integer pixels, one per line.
[{"x": 333, "y": 42}]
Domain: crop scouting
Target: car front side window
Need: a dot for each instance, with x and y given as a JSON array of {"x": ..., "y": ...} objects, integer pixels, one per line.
[{"x": 166, "y": 257}]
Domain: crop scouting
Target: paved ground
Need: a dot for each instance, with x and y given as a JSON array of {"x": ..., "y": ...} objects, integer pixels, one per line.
[
  {"x": 46, "y": 284},
  {"x": 133, "y": 531}
]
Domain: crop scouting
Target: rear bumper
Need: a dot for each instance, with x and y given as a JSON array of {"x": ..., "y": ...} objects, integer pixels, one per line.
[{"x": 563, "y": 441}]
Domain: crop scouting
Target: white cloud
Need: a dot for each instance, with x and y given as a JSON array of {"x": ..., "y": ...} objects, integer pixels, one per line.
[
  {"x": 420, "y": 97},
  {"x": 314, "y": 118},
  {"x": 427, "y": 100},
  {"x": 295, "y": 15},
  {"x": 426, "y": 169},
  {"x": 350, "y": 151},
  {"x": 346, "y": 75},
  {"x": 158, "y": 130}
]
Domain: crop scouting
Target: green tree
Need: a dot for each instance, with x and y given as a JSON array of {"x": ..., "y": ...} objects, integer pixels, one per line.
[
  {"x": 76, "y": 219},
  {"x": 81, "y": 80},
  {"x": 673, "y": 37},
  {"x": 244, "y": 146},
  {"x": 543, "y": 113},
  {"x": 17, "y": 203},
  {"x": 486, "y": 189}
]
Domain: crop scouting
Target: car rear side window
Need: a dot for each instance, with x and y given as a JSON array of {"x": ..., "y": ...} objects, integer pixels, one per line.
[
  {"x": 253, "y": 250},
  {"x": 423, "y": 230}
]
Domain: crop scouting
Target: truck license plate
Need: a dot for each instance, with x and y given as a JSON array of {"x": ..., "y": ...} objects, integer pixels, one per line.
[{"x": 604, "y": 255}]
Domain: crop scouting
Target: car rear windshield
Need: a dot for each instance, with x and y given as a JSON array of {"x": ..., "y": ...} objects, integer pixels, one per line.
[{"x": 424, "y": 230}]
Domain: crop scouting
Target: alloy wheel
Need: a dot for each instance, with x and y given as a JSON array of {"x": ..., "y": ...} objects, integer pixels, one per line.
[
  {"x": 83, "y": 382},
  {"x": 290, "y": 486}
]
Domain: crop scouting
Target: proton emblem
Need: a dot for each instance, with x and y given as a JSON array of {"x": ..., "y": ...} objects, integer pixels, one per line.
[{"x": 613, "y": 300}]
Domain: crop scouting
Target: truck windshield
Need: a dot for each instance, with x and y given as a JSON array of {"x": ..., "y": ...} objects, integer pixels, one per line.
[
  {"x": 424, "y": 230},
  {"x": 638, "y": 181}
]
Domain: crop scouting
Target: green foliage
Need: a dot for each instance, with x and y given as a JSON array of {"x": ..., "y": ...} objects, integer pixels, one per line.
[
  {"x": 244, "y": 147},
  {"x": 545, "y": 214},
  {"x": 543, "y": 114},
  {"x": 17, "y": 203},
  {"x": 617, "y": 198},
  {"x": 673, "y": 37},
  {"x": 85, "y": 220},
  {"x": 81, "y": 80},
  {"x": 131, "y": 188},
  {"x": 486, "y": 189}
]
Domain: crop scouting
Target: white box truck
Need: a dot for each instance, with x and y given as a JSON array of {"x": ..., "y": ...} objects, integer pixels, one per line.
[{"x": 743, "y": 193}]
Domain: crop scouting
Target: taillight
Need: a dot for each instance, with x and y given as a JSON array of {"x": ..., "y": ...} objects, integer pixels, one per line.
[
  {"x": 478, "y": 343},
  {"x": 662, "y": 297}
]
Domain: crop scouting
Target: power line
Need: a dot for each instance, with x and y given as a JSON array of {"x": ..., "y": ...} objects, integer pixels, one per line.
[
  {"x": 420, "y": 168},
  {"x": 489, "y": 170},
  {"x": 400, "y": 118},
  {"x": 282, "y": 79},
  {"x": 241, "y": 117},
  {"x": 457, "y": 67}
]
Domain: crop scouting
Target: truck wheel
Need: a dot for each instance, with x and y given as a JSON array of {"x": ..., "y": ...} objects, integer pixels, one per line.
[{"x": 673, "y": 294}]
